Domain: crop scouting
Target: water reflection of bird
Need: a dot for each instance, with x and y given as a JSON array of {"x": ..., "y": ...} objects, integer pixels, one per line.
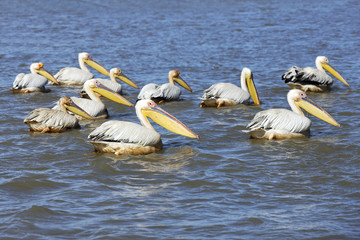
[
  {"x": 51, "y": 120},
  {"x": 283, "y": 123},
  {"x": 115, "y": 73},
  {"x": 123, "y": 137},
  {"x": 94, "y": 106},
  {"x": 228, "y": 94},
  {"x": 312, "y": 79},
  {"x": 166, "y": 92},
  {"x": 78, "y": 76},
  {"x": 34, "y": 81}
]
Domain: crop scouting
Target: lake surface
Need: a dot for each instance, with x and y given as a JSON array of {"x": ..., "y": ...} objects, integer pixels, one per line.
[{"x": 222, "y": 186}]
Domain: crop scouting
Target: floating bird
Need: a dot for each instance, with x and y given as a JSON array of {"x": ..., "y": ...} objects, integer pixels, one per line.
[
  {"x": 282, "y": 123},
  {"x": 228, "y": 94},
  {"x": 165, "y": 92},
  {"x": 94, "y": 106},
  {"x": 33, "y": 82},
  {"x": 78, "y": 76},
  {"x": 312, "y": 79},
  {"x": 113, "y": 84},
  {"x": 50, "y": 120},
  {"x": 121, "y": 137}
]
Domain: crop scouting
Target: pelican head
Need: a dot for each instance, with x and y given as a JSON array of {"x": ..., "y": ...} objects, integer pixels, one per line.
[
  {"x": 175, "y": 76},
  {"x": 69, "y": 105},
  {"x": 247, "y": 79},
  {"x": 117, "y": 73},
  {"x": 322, "y": 62},
  {"x": 39, "y": 69},
  {"x": 95, "y": 86},
  {"x": 300, "y": 99},
  {"x": 149, "y": 109},
  {"x": 86, "y": 58}
]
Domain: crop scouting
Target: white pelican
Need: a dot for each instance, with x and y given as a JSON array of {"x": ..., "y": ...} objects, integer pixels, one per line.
[
  {"x": 282, "y": 123},
  {"x": 121, "y": 137},
  {"x": 78, "y": 76},
  {"x": 113, "y": 84},
  {"x": 94, "y": 106},
  {"x": 51, "y": 120},
  {"x": 228, "y": 94},
  {"x": 33, "y": 82},
  {"x": 312, "y": 79},
  {"x": 165, "y": 92}
]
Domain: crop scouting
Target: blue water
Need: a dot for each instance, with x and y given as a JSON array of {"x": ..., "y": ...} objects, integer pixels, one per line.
[{"x": 222, "y": 186}]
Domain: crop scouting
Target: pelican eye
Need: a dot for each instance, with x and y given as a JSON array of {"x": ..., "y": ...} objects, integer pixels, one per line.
[{"x": 151, "y": 104}]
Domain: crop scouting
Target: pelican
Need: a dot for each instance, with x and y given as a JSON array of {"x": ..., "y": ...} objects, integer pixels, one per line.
[
  {"x": 50, "y": 120},
  {"x": 282, "y": 123},
  {"x": 33, "y": 82},
  {"x": 165, "y": 92},
  {"x": 113, "y": 84},
  {"x": 121, "y": 137},
  {"x": 312, "y": 79},
  {"x": 228, "y": 94},
  {"x": 94, "y": 106},
  {"x": 78, "y": 76}
]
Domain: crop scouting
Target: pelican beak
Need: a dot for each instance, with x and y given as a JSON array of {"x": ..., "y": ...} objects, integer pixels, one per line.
[
  {"x": 42, "y": 71},
  {"x": 78, "y": 110},
  {"x": 127, "y": 80},
  {"x": 110, "y": 94},
  {"x": 314, "y": 109},
  {"x": 332, "y": 70},
  {"x": 168, "y": 121},
  {"x": 182, "y": 83},
  {"x": 252, "y": 89},
  {"x": 92, "y": 63}
]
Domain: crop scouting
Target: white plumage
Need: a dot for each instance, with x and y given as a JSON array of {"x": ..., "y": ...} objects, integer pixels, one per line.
[
  {"x": 227, "y": 91},
  {"x": 280, "y": 119},
  {"x": 122, "y": 137},
  {"x": 78, "y": 76},
  {"x": 33, "y": 82},
  {"x": 312, "y": 79},
  {"x": 227, "y": 94},
  {"x": 112, "y": 83},
  {"x": 94, "y": 106},
  {"x": 126, "y": 132},
  {"x": 166, "y": 92},
  {"x": 283, "y": 123}
]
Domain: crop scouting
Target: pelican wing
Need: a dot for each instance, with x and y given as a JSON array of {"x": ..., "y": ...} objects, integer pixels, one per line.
[
  {"x": 126, "y": 132},
  {"x": 147, "y": 91},
  {"x": 280, "y": 119},
  {"x": 307, "y": 75},
  {"x": 30, "y": 80},
  {"x": 167, "y": 91},
  {"x": 226, "y": 91},
  {"x": 74, "y": 75},
  {"x": 52, "y": 118}
]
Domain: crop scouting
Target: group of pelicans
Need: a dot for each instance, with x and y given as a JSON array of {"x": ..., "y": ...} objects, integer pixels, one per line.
[{"x": 122, "y": 137}]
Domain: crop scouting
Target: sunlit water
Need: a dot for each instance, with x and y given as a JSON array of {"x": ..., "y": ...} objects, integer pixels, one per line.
[{"x": 222, "y": 186}]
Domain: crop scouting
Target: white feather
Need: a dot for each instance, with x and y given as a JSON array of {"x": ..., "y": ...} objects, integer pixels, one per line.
[
  {"x": 280, "y": 119},
  {"x": 126, "y": 132},
  {"x": 226, "y": 91},
  {"x": 29, "y": 81}
]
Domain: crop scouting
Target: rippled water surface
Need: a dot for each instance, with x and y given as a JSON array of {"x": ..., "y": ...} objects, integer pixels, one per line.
[{"x": 222, "y": 186}]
